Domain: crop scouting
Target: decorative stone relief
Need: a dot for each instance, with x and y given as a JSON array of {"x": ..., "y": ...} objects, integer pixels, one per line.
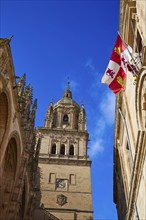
[
  {"x": 64, "y": 140},
  {"x": 66, "y": 110},
  {"x": 4, "y": 62},
  {"x": 144, "y": 105},
  {"x": 55, "y": 140},
  {"x": 61, "y": 199},
  {"x": 141, "y": 100}
]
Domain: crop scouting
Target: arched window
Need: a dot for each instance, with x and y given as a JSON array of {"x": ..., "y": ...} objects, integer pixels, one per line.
[
  {"x": 3, "y": 115},
  {"x": 53, "y": 150},
  {"x": 11, "y": 158},
  {"x": 71, "y": 150},
  {"x": 62, "y": 149},
  {"x": 65, "y": 119},
  {"x": 9, "y": 172}
]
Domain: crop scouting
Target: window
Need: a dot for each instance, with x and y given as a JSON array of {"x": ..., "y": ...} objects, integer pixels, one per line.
[
  {"x": 127, "y": 146},
  {"x": 132, "y": 27},
  {"x": 71, "y": 150},
  {"x": 65, "y": 119},
  {"x": 53, "y": 150},
  {"x": 139, "y": 43},
  {"x": 62, "y": 149},
  {"x": 72, "y": 179},
  {"x": 52, "y": 178}
]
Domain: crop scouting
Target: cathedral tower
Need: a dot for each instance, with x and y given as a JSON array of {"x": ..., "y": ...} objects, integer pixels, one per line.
[{"x": 63, "y": 161}]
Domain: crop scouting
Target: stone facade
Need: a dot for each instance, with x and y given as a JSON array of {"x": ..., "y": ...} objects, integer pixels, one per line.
[
  {"x": 64, "y": 166},
  {"x": 18, "y": 144},
  {"x": 60, "y": 187},
  {"x": 130, "y": 122}
]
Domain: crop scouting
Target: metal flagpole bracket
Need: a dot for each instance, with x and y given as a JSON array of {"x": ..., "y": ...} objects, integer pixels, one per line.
[{"x": 131, "y": 22}]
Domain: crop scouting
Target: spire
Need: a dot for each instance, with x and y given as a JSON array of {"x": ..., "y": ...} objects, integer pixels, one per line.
[
  {"x": 51, "y": 102},
  {"x": 68, "y": 86},
  {"x": 21, "y": 84},
  {"x": 82, "y": 118},
  {"x": 67, "y": 92},
  {"x": 82, "y": 105},
  {"x": 49, "y": 116}
]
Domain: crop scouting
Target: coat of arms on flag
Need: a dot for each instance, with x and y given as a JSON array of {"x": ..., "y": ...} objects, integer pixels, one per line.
[{"x": 115, "y": 73}]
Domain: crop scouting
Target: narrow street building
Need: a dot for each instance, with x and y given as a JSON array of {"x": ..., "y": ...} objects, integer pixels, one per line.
[{"x": 130, "y": 121}]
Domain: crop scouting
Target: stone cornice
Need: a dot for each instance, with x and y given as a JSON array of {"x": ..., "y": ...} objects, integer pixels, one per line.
[
  {"x": 131, "y": 4},
  {"x": 69, "y": 210},
  {"x": 65, "y": 161},
  {"x": 61, "y": 130},
  {"x": 67, "y": 192}
]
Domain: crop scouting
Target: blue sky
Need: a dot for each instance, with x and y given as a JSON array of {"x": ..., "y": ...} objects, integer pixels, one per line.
[{"x": 57, "y": 40}]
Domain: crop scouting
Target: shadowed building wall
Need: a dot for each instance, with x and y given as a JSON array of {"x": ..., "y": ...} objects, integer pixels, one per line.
[
  {"x": 130, "y": 122},
  {"x": 18, "y": 144}
]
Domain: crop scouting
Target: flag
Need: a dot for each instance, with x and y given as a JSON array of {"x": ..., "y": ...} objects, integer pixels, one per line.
[{"x": 115, "y": 73}]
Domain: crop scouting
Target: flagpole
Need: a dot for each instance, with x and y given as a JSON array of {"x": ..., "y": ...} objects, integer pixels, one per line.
[
  {"x": 129, "y": 145},
  {"x": 128, "y": 50},
  {"x": 128, "y": 139},
  {"x": 135, "y": 40}
]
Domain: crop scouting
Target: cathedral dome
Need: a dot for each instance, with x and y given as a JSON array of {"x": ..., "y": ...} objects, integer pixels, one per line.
[
  {"x": 66, "y": 99},
  {"x": 66, "y": 114}
]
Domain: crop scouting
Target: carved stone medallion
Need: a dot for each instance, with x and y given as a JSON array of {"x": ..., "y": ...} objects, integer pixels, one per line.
[{"x": 61, "y": 199}]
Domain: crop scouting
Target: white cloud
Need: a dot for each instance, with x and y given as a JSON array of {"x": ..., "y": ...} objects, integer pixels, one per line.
[
  {"x": 89, "y": 64},
  {"x": 107, "y": 107},
  {"x": 73, "y": 85},
  {"x": 102, "y": 123},
  {"x": 103, "y": 113},
  {"x": 96, "y": 147}
]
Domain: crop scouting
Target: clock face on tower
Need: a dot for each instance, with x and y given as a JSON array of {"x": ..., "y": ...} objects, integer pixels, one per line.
[{"x": 61, "y": 183}]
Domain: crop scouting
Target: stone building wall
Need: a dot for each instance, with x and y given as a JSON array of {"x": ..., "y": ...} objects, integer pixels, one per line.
[
  {"x": 64, "y": 166},
  {"x": 18, "y": 144},
  {"x": 23, "y": 188},
  {"x": 130, "y": 121}
]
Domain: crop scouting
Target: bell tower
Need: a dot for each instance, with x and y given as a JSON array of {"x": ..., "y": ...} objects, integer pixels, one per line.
[{"x": 63, "y": 161}]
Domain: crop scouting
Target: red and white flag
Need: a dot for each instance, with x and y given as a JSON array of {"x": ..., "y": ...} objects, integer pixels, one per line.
[{"x": 116, "y": 71}]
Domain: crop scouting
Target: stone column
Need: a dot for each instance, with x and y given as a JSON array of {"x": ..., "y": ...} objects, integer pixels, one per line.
[{"x": 59, "y": 119}]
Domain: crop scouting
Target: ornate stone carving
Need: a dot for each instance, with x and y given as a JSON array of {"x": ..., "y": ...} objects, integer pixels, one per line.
[
  {"x": 55, "y": 140},
  {"x": 4, "y": 59},
  {"x": 63, "y": 139},
  {"x": 61, "y": 199},
  {"x": 141, "y": 100}
]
